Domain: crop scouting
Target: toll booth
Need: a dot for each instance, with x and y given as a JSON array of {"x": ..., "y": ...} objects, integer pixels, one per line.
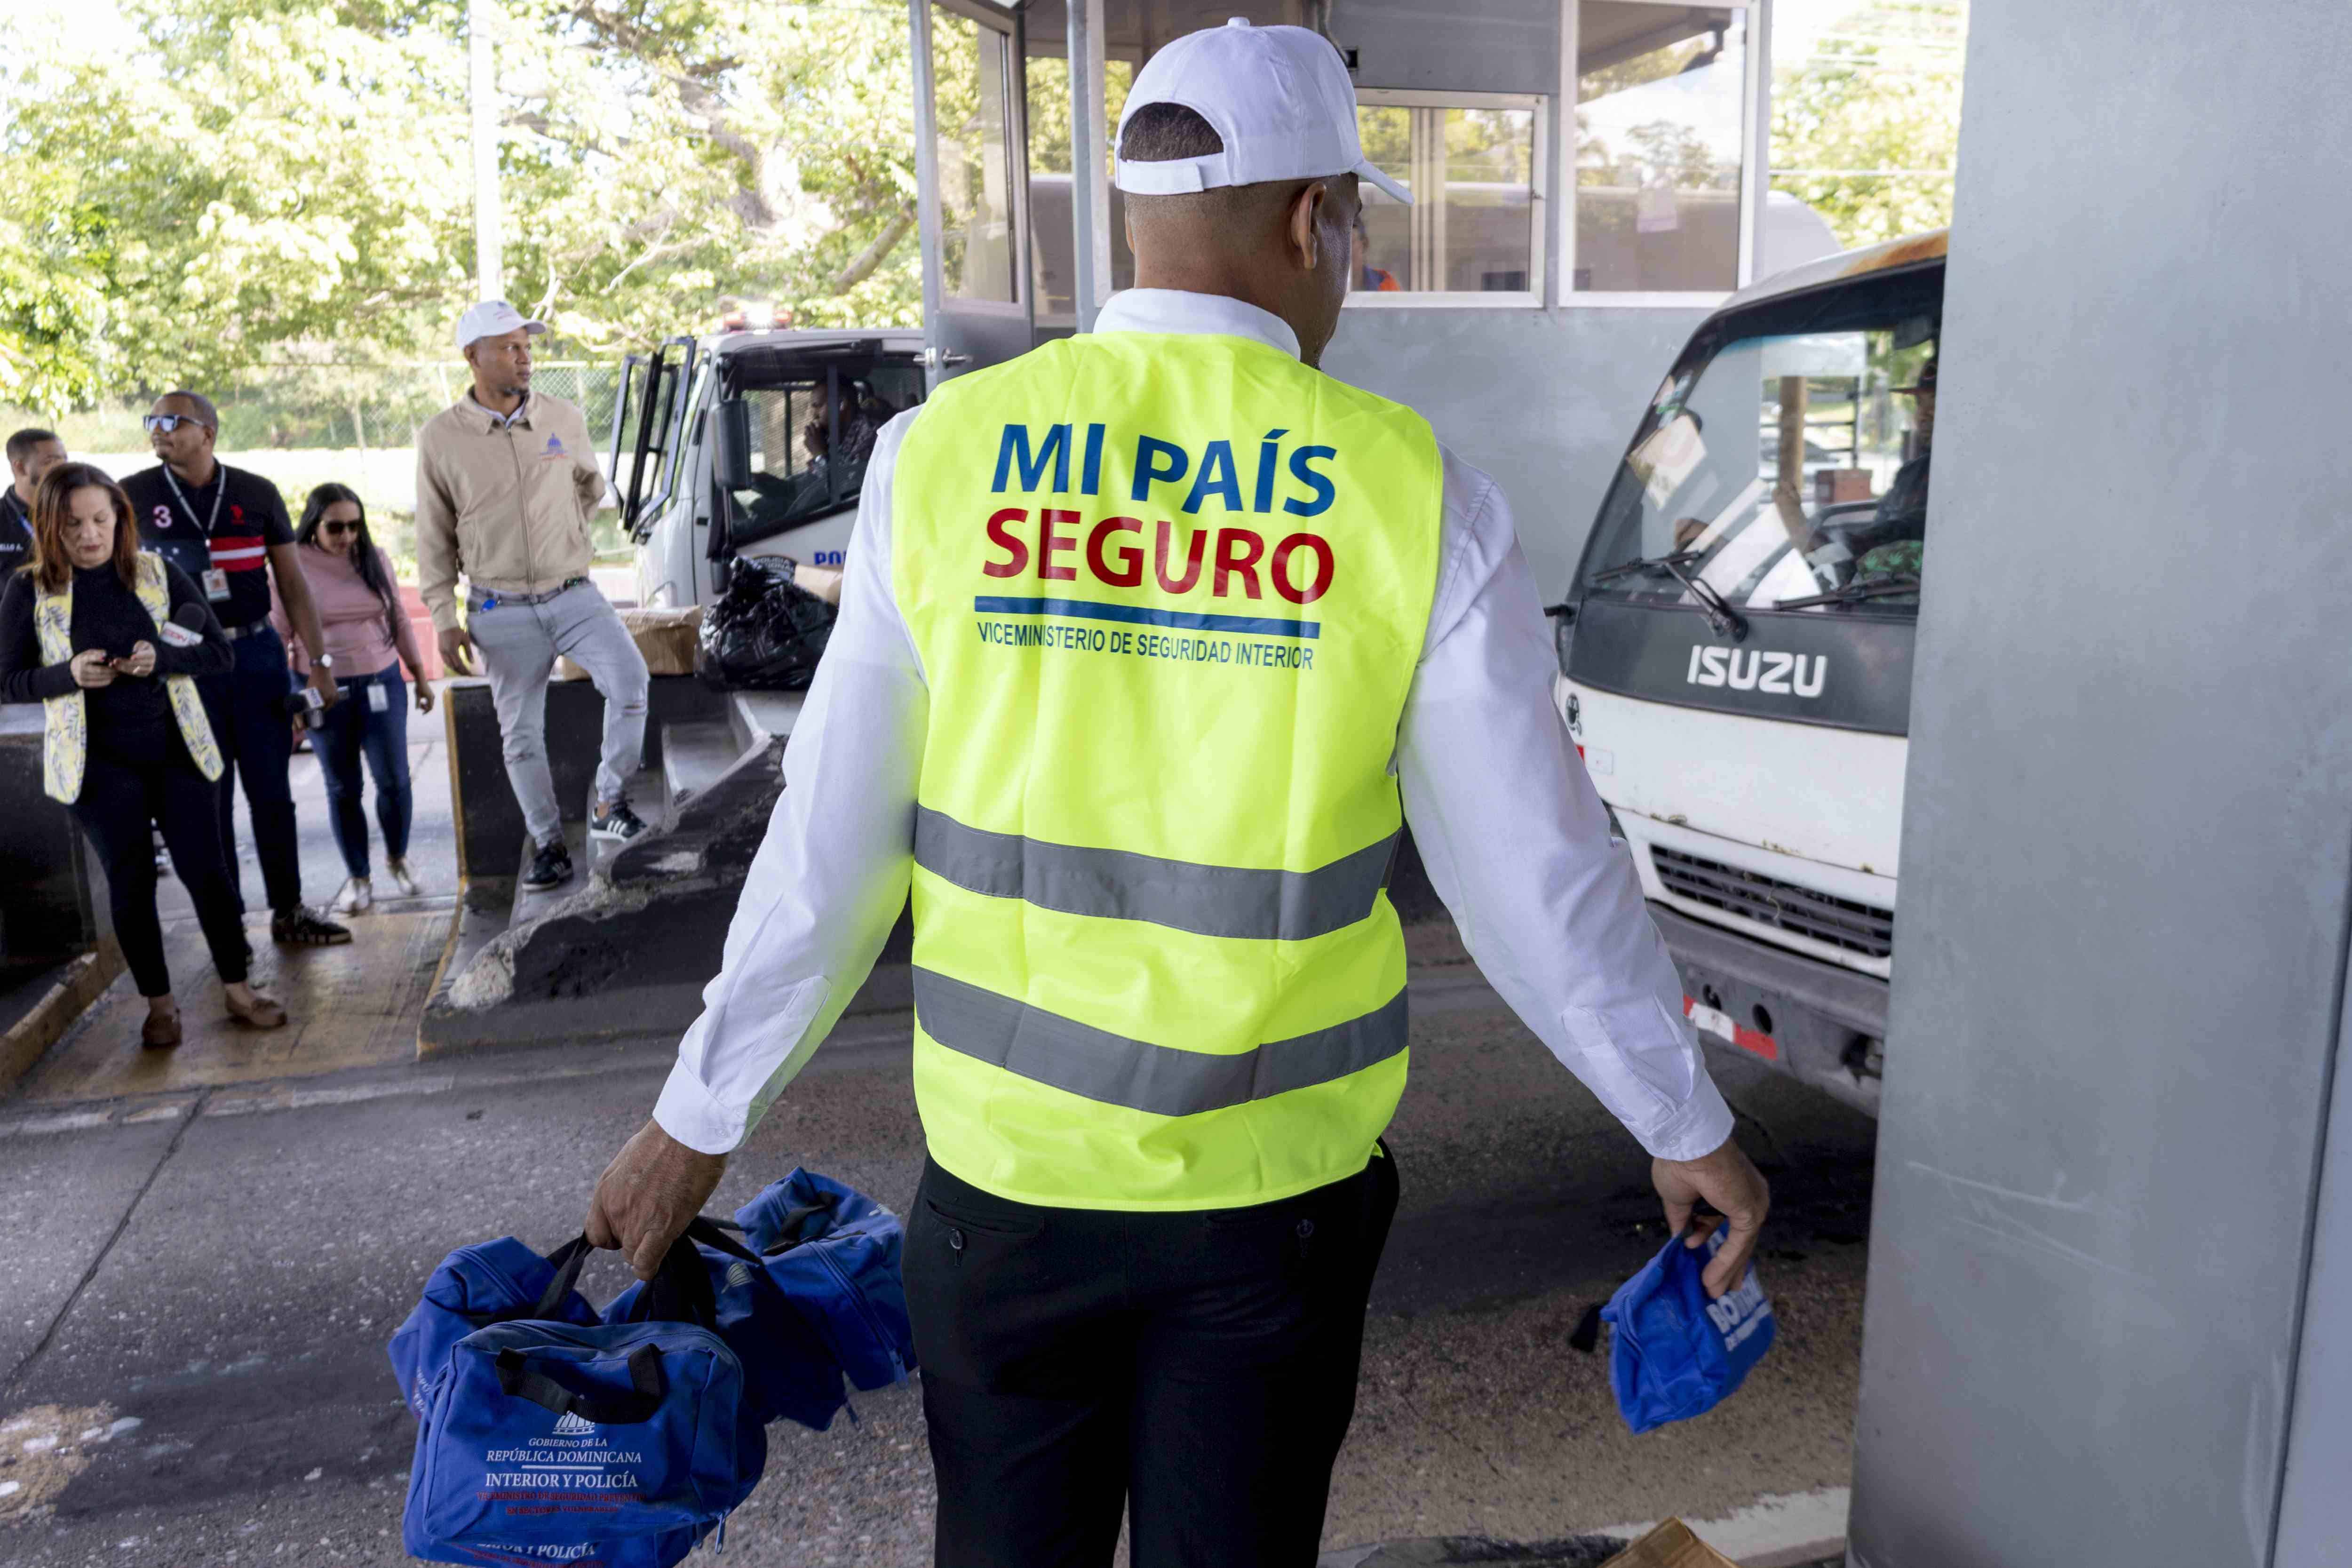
[
  {"x": 1590, "y": 182},
  {"x": 1526, "y": 301}
]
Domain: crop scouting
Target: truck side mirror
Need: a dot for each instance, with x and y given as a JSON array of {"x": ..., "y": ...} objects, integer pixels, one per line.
[{"x": 732, "y": 445}]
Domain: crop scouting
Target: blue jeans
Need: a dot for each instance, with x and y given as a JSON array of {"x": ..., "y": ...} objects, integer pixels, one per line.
[{"x": 354, "y": 729}]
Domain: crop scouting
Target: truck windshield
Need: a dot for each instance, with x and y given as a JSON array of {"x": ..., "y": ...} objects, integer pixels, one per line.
[
  {"x": 1784, "y": 464},
  {"x": 811, "y": 439}
]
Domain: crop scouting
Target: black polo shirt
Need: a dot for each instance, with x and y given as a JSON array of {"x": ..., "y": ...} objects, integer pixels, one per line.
[
  {"x": 16, "y": 532},
  {"x": 251, "y": 517}
]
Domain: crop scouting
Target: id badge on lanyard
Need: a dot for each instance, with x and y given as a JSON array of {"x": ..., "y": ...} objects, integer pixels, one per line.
[
  {"x": 216, "y": 579},
  {"x": 379, "y": 701}
]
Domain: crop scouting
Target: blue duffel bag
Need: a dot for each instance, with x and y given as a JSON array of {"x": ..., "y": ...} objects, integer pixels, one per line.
[
  {"x": 835, "y": 1252},
  {"x": 620, "y": 1443},
  {"x": 1676, "y": 1352},
  {"x": 791, "y": 1371},
  {"x": 474, "y": 1287}
]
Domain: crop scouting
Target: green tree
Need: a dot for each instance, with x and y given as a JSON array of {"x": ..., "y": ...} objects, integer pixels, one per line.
[
  {"x": 1865, "y": 128},
  {"x": 274, "y": 179}
]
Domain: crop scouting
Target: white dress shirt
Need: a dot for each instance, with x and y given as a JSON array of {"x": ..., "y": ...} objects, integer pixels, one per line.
[{"x": 1515, "y": 839}]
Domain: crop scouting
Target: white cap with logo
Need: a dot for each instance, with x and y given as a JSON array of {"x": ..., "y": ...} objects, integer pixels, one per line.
[
  {"x": 1279, "y": 98},
  {"x": 494, "y": 318}
]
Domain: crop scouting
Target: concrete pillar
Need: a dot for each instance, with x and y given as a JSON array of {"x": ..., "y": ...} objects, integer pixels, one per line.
[{"x": 2128, "y": 851}]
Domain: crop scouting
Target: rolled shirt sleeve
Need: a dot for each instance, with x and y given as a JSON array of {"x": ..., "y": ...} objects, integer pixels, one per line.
[
  {"x": 1518, "y": 843},
  {"x": 834, "y": 871}
]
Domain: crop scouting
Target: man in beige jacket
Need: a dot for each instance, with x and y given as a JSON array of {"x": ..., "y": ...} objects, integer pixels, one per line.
[{"x": 506, "y": 483}]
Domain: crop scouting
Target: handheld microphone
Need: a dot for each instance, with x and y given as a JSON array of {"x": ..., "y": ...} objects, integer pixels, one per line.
[{"x": 187, "y": 626}]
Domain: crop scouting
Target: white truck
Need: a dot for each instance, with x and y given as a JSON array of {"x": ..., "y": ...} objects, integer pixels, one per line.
[
  {"x": 750, "y": 442},
  {"x": 1735, "y": 655}
]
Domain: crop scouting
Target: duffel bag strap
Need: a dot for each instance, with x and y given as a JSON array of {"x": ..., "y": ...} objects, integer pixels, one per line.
[
  {"x": 567, "y": 1260},
  {"x": 517, "y": 1379},
  {"x": 680, "y": 1291}
]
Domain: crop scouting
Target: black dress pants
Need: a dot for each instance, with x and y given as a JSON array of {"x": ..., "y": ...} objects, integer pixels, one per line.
[
  {"x": 1194, "y": 1370},
  {"x": 118, "y": 800},
  {"x": 256, "y": 736}
]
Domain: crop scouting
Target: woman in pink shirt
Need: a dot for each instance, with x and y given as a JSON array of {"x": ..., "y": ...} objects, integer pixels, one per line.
[{"x": 368, "y": 636}]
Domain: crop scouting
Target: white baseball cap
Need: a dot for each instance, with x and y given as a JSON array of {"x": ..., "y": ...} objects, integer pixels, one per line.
[
  {"x": 494, "y": 318},
  {"x": 1279, "y": 98}
]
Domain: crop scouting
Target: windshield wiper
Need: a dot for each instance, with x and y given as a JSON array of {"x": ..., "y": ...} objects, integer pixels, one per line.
[
  {"x": 1877, "y": 586},
  {"x": 1721, "y": 618}
]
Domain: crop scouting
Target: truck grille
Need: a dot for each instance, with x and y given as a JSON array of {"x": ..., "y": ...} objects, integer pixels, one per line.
[{"x": 1840, "y": 923}]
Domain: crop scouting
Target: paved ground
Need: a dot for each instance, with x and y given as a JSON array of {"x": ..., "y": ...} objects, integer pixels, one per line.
[{"x": 201, "y": 1280}]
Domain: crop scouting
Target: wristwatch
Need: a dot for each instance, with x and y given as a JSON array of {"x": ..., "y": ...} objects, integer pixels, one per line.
[{"x": 325, "y": 661}]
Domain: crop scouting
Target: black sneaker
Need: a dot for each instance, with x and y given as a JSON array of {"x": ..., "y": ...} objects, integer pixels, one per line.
[
  {"x": 299, "y": 928},
  {"x": 616, "y": 821},
  {"x": 549, "y": 866}
]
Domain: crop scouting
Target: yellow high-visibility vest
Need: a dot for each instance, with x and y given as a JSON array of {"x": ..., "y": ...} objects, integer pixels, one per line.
[
  {"x": 65, "y": 720},
  {"x": 1169, "y": 592}
]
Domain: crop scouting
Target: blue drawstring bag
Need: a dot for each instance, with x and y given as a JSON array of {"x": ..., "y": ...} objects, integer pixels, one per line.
[
  {"x": 791, "y": 1371},
  {"x": 1677, "y": 1354},
  {"x": 474, "y": 1287},
  {"x": 621, "y": 1443},
  {"x": 835, "y": 1253}
]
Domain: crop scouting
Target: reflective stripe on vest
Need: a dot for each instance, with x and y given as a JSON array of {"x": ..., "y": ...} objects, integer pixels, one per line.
[
  {"x": 1096, "y": 1065},
  {"x": 1169, "y": 592},
  {"x": 1117, "y": 884}
]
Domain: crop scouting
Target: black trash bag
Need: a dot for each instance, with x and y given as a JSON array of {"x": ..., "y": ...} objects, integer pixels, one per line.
[{"x": 765, "y": 633}]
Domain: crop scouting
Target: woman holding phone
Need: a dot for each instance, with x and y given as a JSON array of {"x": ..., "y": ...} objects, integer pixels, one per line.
[
  {"x": 367, "y": 630},
  {"x": 108, "y": 639}
]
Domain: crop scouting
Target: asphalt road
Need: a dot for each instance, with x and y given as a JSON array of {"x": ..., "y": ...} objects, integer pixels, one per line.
[{"x": 194, "y": 1304}]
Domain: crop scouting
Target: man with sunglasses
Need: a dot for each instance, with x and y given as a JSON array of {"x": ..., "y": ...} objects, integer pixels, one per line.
[{"x": 228, "y": 529}]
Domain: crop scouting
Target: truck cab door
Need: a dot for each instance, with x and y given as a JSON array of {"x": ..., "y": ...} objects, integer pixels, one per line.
[
  {"x": 645, "y": 450},
  {"x": 971, "y": 178},
  {"x": 650, "y": 427}
]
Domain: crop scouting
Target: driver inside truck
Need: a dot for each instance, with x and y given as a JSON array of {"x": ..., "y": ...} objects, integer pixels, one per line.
[
  {"x": 811, "y": 493},
  {"x": 1898, "y": 531}
]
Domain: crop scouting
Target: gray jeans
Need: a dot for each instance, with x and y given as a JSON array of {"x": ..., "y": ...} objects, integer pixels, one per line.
[{"x": 519, "y": 645}]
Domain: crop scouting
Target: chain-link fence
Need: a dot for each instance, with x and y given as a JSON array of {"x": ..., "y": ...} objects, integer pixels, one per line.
[
  {"x": 361, "y": 407},
  {"x": 301, "y": 425}
]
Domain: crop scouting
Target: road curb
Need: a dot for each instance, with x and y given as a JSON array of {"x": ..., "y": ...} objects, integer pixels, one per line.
[{"x": 79, "y": 983}]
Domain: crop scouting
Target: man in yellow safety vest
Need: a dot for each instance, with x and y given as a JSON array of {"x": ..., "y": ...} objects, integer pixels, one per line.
[{"x": 1151, "y": 641}]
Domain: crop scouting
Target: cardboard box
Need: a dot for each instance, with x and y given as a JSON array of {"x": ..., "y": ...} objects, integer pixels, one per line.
[
  {"x": 1671, "y": 1545},
  {"x": 825, "y": 581},
  {"x": 665, "y": 636},
  {"x": 1831, "y": 486}
]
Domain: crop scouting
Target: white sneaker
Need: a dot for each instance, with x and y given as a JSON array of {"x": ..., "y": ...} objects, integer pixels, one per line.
[
  {"x": 402, "y": 877},
  {"x": 355, "y": 898}
]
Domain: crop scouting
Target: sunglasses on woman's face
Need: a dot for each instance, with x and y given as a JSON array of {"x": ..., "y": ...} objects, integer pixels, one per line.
[{"x": 336, "y": 528}]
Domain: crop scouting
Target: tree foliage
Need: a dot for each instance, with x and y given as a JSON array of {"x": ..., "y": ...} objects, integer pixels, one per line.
[
  {"x": 274, "y": 179},
  {"x": 1865, "y": 129}
]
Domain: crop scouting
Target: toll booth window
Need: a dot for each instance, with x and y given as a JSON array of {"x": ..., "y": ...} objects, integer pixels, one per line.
[
  {"x": 1471, "y": 160},
  {"x": 1661, "y": 99},
  {"x": 970, "y": 94},
  {"x": 811, "y": 441},
  {"x": 1785, "y": 471}
]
